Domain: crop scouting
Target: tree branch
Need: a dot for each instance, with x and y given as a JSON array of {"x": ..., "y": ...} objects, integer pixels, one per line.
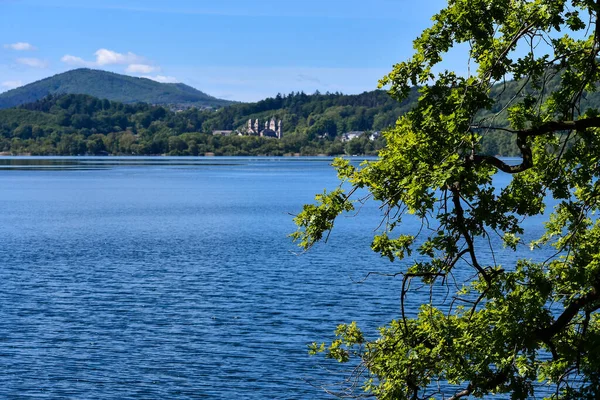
[
  {"x": 405, "y": 280},
  {"x": 548, "y": 127},
  {"x": 460, "y": 219},
  {"x": 545, "y": 334},
  {"x": 556, "y": 126},
  {"x": 462, "y": 393},
  {"x": 499, "y": 378}
]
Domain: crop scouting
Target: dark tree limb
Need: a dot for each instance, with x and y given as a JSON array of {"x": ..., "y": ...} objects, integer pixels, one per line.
[
  {"x": 545, "y": 334},
  {"x": 498, "y": 379},
  {"x": 545, "y": 128},
  {"x": 407, "y": 278},
  {"x": 462, "y": 393},
  {"x": 460, "y": 219},
  {"x": 557, "y": 126}
]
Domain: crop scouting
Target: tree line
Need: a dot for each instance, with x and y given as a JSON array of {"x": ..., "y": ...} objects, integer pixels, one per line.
[{"x": 74, "y": 124}]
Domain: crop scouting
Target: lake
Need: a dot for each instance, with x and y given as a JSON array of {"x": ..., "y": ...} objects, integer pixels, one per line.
[{"x": 155, "y": 278}]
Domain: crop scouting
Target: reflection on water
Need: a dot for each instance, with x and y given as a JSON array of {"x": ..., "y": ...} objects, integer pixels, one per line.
[{"x": 87, "y": 163}]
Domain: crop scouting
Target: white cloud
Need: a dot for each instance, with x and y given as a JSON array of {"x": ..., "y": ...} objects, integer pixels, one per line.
[
  {"x": 73, "y": 60},
  {"x": 20, "y": 46},
  {"x": 162, "y": 78},
  {"x": 33, "y": 62},
  {"x": 104, "y": 57},
  {"x": 135, "y": 64},
  {"x": 109, "y": 57},
  {"x": 11, "y": 84},
  {"x": 141, "y": 69}
]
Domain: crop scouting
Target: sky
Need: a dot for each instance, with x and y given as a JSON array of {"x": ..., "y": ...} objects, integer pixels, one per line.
[{"x": 244, "y": 50}]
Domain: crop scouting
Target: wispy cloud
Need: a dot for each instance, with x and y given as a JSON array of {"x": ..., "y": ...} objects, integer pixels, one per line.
[
  {"x": 33, "y": 62},
  {"x": 141, "y": 69},
  {"x": 162, "y": 78},
  {"x": 11, "y": 84},
  {"x": 104, "y": 57},
  {"x": 20, "y": 46},
  {"x": 73, "y": 60},
  {"x": 308, "y": 78}
]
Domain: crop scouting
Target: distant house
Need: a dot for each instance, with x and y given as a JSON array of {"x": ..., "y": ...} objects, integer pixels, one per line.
[
  {"x": 375, "y": 135},
  {"x": 348, "y": 136},
  {"x": 222, "y": 133}
]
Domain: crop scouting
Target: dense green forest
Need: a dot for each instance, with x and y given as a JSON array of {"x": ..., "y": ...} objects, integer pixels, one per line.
[
  {"x": 71, "y": 124},
  {"x": 81, "y": 124},
  {"x": 108, "y": 85}
]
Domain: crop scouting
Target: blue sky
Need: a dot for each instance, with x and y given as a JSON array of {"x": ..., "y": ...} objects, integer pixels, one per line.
[{"x": 235, "y": 49}]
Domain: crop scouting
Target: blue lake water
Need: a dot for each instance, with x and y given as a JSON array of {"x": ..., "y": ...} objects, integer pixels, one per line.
[{"x": 155, "y": 278}]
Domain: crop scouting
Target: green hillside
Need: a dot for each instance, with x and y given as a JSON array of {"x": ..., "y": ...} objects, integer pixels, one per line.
[{"x": 111, "y": 86}]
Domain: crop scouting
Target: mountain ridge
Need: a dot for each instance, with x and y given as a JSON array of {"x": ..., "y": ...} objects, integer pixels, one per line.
[{"x": 112, "y": 86}]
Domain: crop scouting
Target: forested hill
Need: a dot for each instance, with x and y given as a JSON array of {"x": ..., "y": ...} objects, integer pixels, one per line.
[
  {"x": 312, "y": 124},
  {"x": 108, "y": 85}
]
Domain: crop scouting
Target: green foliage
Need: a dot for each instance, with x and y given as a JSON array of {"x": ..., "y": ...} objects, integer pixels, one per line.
[
  {"x": 512, "y": 328},
  {"x": 319, "y": 219}
]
